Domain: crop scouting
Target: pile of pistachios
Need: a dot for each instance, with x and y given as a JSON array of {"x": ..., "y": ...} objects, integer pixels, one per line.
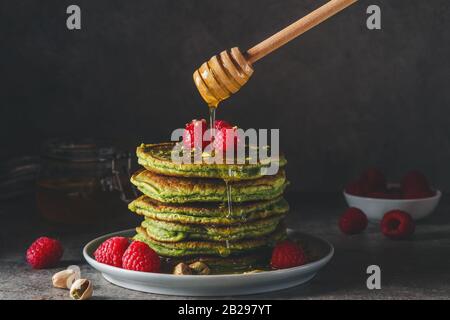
[
  {"x": 198, "y": 268},
  {"x": 80, "y": 289}
]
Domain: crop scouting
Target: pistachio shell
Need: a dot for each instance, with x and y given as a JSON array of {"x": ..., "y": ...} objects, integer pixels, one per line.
[
  {"x": 64, "y": 279},
  {"x": 75, "y": 268},
  {"x": 182, "y": 269},
  {"x": 81, "y": 289},
  {"x": 200, "y": 268}
]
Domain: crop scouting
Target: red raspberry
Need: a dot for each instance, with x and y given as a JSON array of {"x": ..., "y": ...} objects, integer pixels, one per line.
[
  {"x": 194, "y": 133},
  {"x": 140, "y": 257},
  {"x": 287, "y": 254},
  {"x": 111, "y": 251},
  {"x": 397, "y": 224},
  {"x": 356, "y": 188},
  {"x": 221, "y": 136},
  {"x": 353, "y": 221},
  {"x": 374, "y": 180},
  {"x": 415, "y": 181},
  {"x": 44, "y": 253},
  {"x": 219, "y": 124}
]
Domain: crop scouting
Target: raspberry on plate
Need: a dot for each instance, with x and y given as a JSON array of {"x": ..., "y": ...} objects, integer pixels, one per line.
[
  {"x": 224, "y": 136},
  {"x": 44, "y": 253},
  {"x": 353, "y": 221},
  {"x": 140, "y": 257},
  {"x": 374, "y": 180},
  {"x": 194, "y": 134},
  {"x": 220, "y": 124},
  {"x": 397, "y": 224},
  {"x": 287, "y": 254},
  {"x": 111, "y": 251}
]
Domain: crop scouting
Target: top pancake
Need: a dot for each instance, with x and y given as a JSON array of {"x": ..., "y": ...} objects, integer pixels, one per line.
[{"x": 157, "y": 158}]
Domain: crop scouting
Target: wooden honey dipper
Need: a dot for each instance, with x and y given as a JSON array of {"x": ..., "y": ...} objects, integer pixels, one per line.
[{"x": 226, "y": 73}]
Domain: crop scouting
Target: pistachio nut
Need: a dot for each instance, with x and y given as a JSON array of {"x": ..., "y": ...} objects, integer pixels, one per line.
[
  {"x": 182, "y": 269},
  {"x": 64, "y": 279},
  {"x": 200, "y": 268},
  {"x": 81, "y": 289}
]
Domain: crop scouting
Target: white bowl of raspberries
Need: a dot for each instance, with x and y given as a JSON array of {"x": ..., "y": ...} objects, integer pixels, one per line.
[{"x": 375, "y": 197}]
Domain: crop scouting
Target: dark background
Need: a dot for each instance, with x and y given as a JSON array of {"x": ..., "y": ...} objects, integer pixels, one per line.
[{"x": 344, "y": 97}]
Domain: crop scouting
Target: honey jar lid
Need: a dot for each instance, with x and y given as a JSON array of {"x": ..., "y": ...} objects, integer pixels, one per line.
[{"x": 79, "y": 150}]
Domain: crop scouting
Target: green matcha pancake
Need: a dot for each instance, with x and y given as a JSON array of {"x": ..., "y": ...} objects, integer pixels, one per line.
[
  {"x": 169, "y": 189},
  {"x": 173, "y": 232},
  {"x": 157, "y": 158},
  {"x": 220, "y": 248},
  {"x": 209, "y": 213}
]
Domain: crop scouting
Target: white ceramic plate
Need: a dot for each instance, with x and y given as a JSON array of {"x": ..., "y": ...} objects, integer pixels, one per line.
[{"x": 214, "y": 285}]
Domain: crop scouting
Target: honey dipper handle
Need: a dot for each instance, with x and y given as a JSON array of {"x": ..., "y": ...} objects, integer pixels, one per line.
[{"x": 297, "y": 28}]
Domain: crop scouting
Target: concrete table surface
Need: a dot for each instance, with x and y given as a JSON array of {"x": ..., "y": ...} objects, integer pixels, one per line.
[{"x": 414, "y": 269}]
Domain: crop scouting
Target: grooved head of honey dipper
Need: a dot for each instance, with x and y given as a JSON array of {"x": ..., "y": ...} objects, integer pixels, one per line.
[{"x": 222, "y": 75}]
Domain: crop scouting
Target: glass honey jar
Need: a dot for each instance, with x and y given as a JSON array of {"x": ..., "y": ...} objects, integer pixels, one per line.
[{"x": 81, "y": 182}]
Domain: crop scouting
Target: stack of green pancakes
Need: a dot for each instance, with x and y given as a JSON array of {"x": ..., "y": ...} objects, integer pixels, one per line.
[{"x": 226, "y": 215}]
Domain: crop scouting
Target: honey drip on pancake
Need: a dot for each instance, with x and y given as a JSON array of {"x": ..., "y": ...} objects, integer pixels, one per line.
[{"x": 229, "y": 200}]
